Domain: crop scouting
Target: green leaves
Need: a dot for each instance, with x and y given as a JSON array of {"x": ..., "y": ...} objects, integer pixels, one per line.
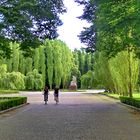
[{"x": 30, "y": 22}]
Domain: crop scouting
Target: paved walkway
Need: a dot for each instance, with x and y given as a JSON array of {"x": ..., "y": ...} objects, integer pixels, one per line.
[{"x": 77, "y": 117}]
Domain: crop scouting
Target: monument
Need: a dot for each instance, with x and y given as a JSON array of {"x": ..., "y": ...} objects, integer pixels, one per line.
[{"x": 73, "y": 84}]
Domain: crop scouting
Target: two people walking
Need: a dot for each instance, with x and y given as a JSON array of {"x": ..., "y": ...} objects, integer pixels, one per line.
[{"x": 56, "y": 94}]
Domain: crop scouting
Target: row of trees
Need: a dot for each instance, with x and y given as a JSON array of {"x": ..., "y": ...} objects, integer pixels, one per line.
[
  {"x": 114, "y": 36},
  {"x": 83, "y": 62},
  {"x": 52, "y": 64}
]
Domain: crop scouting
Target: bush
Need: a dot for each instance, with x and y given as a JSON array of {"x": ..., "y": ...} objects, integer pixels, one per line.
[
  {"x": 33, "y": 80},
  {"x": 13, "y": 80},
  {"x": 130, "y": 101},
  {"x": 87, "y": 80},
  {"x": 8, "y": 102}
]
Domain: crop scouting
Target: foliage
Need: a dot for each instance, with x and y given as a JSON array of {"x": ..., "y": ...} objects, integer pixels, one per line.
[
  {"x": 33, "y": 80},
  {"x": 36, "y": 59},
  {"x": 75, "y": 72},
  {"x": 8, "y": 91},
  {"x": 42, "y": 66},
  {"x": 3, "y": 70},
  {"x": 59, "y": 63},
  {"x": 117, "y": 25},
  {"x": 9, "y": 102},
  {"x": 29, "y": 22},
  {"x": 50, "y": 66},
  {"x": 87, "y": 80},
  {"x": 15, "y": 56},
  {"x": 88, "y": 35},
  {"x": 28, "y": 64},
  {"x": 120, "y": 71},
  {"x": 102, "y": 75},
  {"x": 130, "y": 101},
  {"x": 13, "y": 80}
]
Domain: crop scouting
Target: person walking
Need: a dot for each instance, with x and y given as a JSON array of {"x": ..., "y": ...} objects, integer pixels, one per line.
[
  {"x": 46, "y": 93},
  {"x": 56, "y": 95}
]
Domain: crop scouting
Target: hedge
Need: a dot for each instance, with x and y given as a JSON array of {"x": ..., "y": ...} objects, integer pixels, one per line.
[
  {"x": 8, "y": 102},
  {"x": 130, "y": 101}
]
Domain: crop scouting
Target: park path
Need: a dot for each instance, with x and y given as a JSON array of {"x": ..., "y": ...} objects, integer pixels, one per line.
[{"x": 77, "y": 117}]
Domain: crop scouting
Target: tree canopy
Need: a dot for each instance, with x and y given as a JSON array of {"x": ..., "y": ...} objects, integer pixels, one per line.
[
  {"x": 29, "y": 22},
  {"x": 114, "y": 25}
]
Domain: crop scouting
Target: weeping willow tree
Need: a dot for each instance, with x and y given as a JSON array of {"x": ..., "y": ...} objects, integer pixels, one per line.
[
  {"x": 87, "y": 80},
  {"x": 13, "y": 80},
  {"x": 28, "y": 65},
  {"x": 42, "y": 66},
  {"x": 102, "y": 73},
  {"x": 36, "y": 59},
  {"x": 15, "y": 48},
  {"x": 33, "y": 80},
  {"x": 57, "y": 54},
  {"x": 13, "y": 61},
  {"x": 67, "y": 64},
  {"x": 58, "y": 63},
  {"x": 124, "y": 71},
  {"x": 49, "y": 52},
  {"x": 22, "y": 64}
]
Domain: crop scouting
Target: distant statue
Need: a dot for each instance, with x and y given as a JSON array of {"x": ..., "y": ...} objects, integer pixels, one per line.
[{"x": 73, "y": 84}]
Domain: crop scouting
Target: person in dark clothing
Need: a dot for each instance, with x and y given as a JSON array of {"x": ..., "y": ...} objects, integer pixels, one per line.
[
  {"x": 46, "y": 93},
  {"x": 56, "y": 95}
]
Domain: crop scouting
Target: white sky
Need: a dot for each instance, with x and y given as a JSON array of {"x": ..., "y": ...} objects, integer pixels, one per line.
[{"x": 72, "y": 26}]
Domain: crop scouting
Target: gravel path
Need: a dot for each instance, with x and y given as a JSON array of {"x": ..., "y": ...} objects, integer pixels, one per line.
[{"x": 77, "y": 117}]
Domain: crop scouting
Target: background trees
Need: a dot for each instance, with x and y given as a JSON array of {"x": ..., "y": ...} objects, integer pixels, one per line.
[
  {"x": 114, "y": 31},
  {"x": 29, "y": 22},
  {"x": 50, "y": 64}
]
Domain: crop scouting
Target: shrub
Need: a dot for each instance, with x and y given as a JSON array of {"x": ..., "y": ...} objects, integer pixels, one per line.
[
  {"x": 130, "y": 101},
  {"x": 33, "y": 80},
  {"x": 87, "y": 80},
  {"x": 8, "y": 102},
  {"x": 13, "y": 80}
]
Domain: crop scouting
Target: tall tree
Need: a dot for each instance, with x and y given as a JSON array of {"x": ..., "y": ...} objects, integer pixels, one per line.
[
  {"x": 42, "y": 66},
  {"x": 22, "y": 66},
  {"x": 120, "y": 75},
  {"x": 15, "y": 58},
  {"x": 88, "y": 35},
  {"x": 29, "y": 64},
  {"x": 58, "y": 71},
  {"x": 36, "y": 59},
  {"x": 29, "y": 22},
  {"x": 49, "y": 52}
]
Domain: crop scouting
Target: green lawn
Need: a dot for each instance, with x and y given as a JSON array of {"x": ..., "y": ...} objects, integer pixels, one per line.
[
  {"x": 135, "y": 95},
  {"x": 8, "y": 91}
]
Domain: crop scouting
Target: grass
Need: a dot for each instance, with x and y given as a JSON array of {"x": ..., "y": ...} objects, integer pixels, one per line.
[
  {"x": 8, "y": 91},
  {"x": 135, "y": 95}
]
